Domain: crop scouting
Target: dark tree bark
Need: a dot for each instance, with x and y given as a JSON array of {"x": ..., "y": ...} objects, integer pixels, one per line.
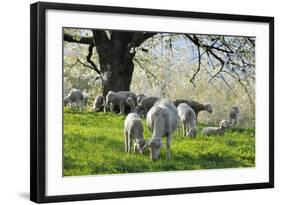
[
  {"x": 116, "y": 63},
  {"x": 116, "y": 51}
]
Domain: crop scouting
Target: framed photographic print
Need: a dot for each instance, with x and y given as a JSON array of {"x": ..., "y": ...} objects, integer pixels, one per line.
[{"x": 129, "y": 102}]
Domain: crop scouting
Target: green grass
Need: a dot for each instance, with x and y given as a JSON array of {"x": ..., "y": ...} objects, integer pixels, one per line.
[{"x": 94, "y": 144}]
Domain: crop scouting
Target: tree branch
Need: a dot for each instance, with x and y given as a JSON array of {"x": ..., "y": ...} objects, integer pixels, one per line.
[
  {"x": 70, "y": 67},
  {"x": 90, "y": 53},
  {"x": 88, "y": 66},
  {"x": 198, "y": 68},
  {"x": 146, "y": 72},
  {"x": 81, "y": 40},
  {"x": 137, "y": 61},
  {"x": 139, "y": 38}
]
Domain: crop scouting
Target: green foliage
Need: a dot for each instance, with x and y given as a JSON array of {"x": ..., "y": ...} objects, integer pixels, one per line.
[{"x": 94, "y": 144}]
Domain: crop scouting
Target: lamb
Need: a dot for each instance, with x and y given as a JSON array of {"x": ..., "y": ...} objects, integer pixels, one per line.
[
  {"x": 145, "y": 105},
  {"x": 75, "y": 96},
  {"x": 98, "y": 104},
  {"x": 133, "y": 131},
  {"x": 114, "y": 98},
  {"x": 128, "y": 94},
  {"x": 140, "y": 97},
  {"x": 207, "y": 131},
  {"x": 233, "y": 116},
  {"x": 188, "y": 119},
  {"x": 162, "y": 119},
  {"x": 196, "y": 106}
]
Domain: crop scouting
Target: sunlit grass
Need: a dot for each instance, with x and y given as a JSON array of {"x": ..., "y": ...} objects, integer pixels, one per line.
[{"x": 94, "y": 144}]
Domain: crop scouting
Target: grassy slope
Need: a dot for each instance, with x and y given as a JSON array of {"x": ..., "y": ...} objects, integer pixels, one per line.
[{"x": 94, "y": 144}]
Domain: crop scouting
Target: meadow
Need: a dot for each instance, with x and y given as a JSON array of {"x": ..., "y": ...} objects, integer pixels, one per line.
[{"x": 94, "y": 144}]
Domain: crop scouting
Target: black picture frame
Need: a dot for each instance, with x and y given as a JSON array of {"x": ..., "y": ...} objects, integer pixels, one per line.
[{"x": 38, "y": 101}]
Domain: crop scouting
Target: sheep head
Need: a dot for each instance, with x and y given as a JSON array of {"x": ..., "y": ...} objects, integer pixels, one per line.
[
  {"x": 154, "y": 148},
  {"x": 235, "y": 109},
  {"x": 208, "y": 107},
  {"x": 192, "y": 132},
  {"x": 66, "y": 101},
  {"x": 130, "y": 101},
  {"x": 140, "y": 145},
  {"x": 138, "y": 109},
  {"x": 224, "y": 124}
]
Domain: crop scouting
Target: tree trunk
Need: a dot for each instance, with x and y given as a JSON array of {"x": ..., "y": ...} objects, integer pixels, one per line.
[
  {"x": 117, "y": 76},
  {"x": 115, "y": 59}
]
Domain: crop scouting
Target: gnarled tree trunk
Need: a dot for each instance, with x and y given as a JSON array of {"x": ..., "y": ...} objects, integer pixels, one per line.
[{"x": 116, "y": 61}]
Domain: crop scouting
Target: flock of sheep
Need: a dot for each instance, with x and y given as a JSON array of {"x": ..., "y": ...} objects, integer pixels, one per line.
[{"x": 162, "y": 115}]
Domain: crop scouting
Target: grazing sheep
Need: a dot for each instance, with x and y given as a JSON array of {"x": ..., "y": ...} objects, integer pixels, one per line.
[
  {"x": 188, "y": 119},
  {"x": 128, "y": 94},
  {"x": 133, "y": 131},
  {"x": 140, "y": 97},
  {"x": 145, "y": 105},
  {"x": 112, "y": 98},
  {"x": 98, "y": 104},
  {"x": 75, "y": 96},
  {"x": 162, "y": 119},
  {"x": 131, "y": 103},
  {"x": 128, "y": 107},
  {"x": 196, "y": 106},
  {"x": 233, "y": 116},
  {"x": 207, "y": 131}
]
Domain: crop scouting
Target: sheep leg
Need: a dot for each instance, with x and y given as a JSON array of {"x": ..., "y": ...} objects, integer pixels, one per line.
[
  {"x": 179, "y": 129},
  {"x": 105, "y": 106},
  {"x": 186, "y": 130},
  {"x": 168, "y": 143},
  {"x": 80, "y": 105},
  {"x": 126, "y": 141},
  {"x": 133, "y": 108},
  {"x": 235, "y": 123},
  {"x": 111, "y": 107},
  {"x": 77, "y": 105},
  {"x": 135, "y": 147},
  {"x": 183, "y": 128},
  {"x": 232, "y": 123},
  {"x": 121, "y": 106},
  {"x": 129, "y": 142}
]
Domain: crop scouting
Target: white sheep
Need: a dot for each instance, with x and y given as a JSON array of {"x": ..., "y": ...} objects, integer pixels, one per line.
[
  {"x": 233, "y": 116},
  {"x": 98, "y": 103},
  {"x": 75, "y": 96},
  {"x": 162, "y": 119},
  {"x": 133, "y": 131},
  {"x": 145, "y": 105},
  {"x": 196, "y": 106},
  {"x": 188, "y": 119},
  {"x": 130, "y": 94},
  {"x": 131, "y": 103},
  {"x": 207, "y": 131},
  {"x": 112, "y": 99}
]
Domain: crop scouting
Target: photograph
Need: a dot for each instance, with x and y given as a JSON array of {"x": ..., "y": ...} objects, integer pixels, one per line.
[{"x": 148, "y": 101}]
